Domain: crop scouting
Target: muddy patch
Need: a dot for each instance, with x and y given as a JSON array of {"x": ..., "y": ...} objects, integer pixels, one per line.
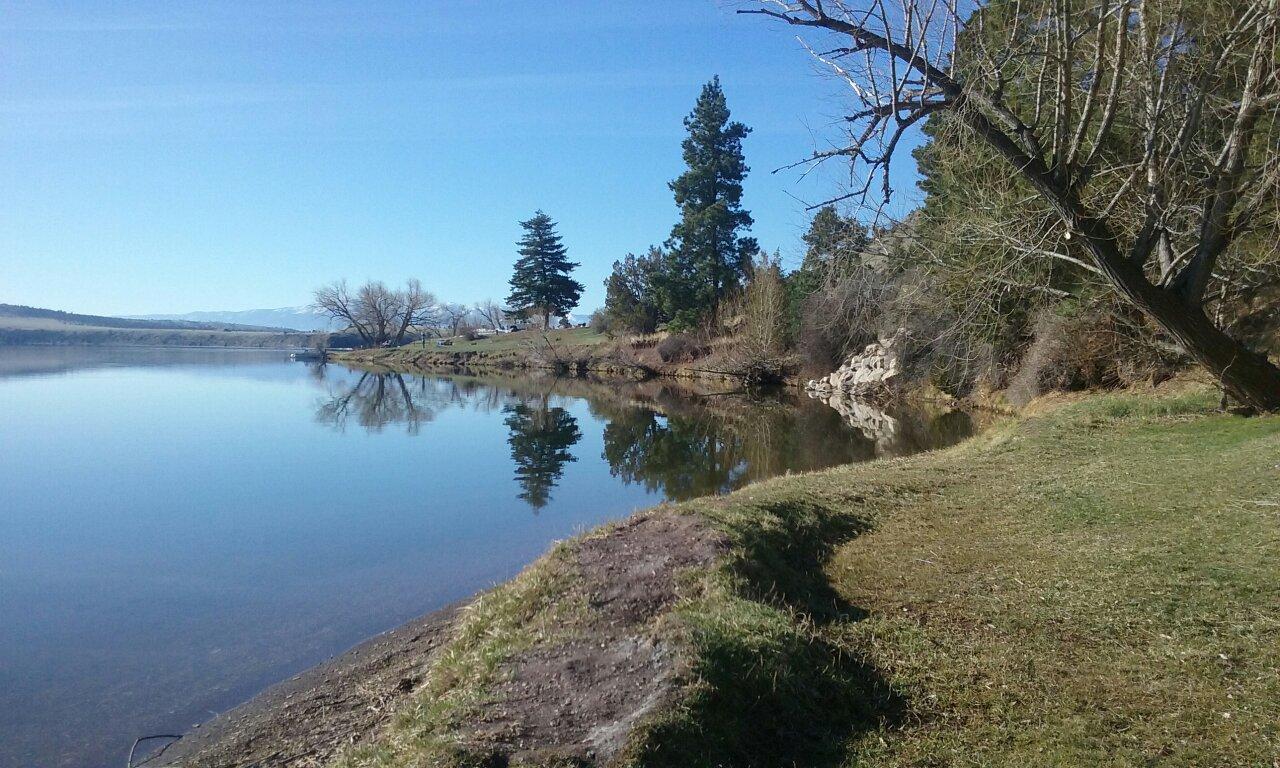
[{"x": 577, "y": 701}]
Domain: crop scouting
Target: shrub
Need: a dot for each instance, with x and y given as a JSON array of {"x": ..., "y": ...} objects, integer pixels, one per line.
[
  {"x": 680, "y": 348},
  {"x": 1102, "y": 346},
  {"x": 600, "y": 322},
  {"x": 843, "y": 315}
]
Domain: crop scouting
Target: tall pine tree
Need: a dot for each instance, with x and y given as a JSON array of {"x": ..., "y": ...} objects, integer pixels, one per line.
[
  {"x": 707, "y": 257},
  {"x": 541, "y": 283}
]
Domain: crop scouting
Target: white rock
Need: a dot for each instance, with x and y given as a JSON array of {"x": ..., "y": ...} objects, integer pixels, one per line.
[{"x": 873, "y": 372}]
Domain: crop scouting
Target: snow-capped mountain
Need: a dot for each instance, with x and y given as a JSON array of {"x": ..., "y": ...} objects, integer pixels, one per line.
[{"x": 296, "y": 318}]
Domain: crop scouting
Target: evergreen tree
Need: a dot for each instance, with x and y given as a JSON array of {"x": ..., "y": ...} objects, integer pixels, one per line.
[
  {"x": 541, "y": 283},
  {"x": 832, "y": 242},
  {"x": 629, "y": 292},
  {"x": 706, "y": 256},
  {"x": 540, "y": 440},
  {"x": 832, "y": 239}
]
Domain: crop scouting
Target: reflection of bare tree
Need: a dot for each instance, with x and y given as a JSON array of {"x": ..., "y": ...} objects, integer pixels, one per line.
[
  {"x": 318, "y": 371},
  {"x": 374, "y": 401}
]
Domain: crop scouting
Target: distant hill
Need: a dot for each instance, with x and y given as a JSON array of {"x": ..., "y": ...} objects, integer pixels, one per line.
[
  {"x": 296, "y": 318},
  {"x": 12, "y": 315},
  {"x": 21, "y": 325}
]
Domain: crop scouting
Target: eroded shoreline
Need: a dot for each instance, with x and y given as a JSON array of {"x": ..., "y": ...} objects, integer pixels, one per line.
[{"x": 307, "y": 719}]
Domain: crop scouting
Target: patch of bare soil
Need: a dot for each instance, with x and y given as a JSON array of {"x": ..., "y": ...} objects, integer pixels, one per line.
[
  {"x": 305, "y": 720},
  {"x": 577, "y": 701}
]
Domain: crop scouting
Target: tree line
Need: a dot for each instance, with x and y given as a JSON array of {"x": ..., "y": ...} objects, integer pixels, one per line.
[
  {"x": 1120, "y": 151},
  {"x": 1111, "y": 169},
  {"x": 1110, "y": 163},
  {"x": 541, "y": 288}
]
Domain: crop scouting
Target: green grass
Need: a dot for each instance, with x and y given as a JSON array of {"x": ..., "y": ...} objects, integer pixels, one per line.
[
  {"x": 1095, "y": 585},
  {"x": 568, "y": 338}
]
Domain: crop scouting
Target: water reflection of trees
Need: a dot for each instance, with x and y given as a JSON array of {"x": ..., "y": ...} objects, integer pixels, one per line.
[
  {"x": 685, "y": 446},
  {"x": 670, "y": 439},
  {"x": 540, "y": 438},
  {"x": 376, "y": 400}
]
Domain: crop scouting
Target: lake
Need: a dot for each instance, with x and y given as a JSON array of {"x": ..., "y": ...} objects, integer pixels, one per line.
[{"x": 180, "y": 528}]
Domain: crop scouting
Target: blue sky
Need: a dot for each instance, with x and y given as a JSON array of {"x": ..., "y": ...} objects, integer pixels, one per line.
[{"x": 171, "y": 156}]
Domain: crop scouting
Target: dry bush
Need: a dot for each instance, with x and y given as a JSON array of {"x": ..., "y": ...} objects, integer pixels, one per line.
[
  {"x": 645, "y": 340},
  {"x": 843, "y": 316},
  {"x": 681, "y": 348},
  {"x": 1100, "y": 347},
  {"x": 600, "y": 323},
  {"x": 861, "y": 305},
  {"x": 754, "y": 340}
]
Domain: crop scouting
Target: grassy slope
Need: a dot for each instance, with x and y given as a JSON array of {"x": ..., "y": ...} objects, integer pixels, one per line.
[
  {"x": 567, "y": 339},
  {"x": 1096, "y": 585}
]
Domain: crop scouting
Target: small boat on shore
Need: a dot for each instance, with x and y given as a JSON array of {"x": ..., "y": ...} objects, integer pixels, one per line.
[{"x": 310, "y": 355}]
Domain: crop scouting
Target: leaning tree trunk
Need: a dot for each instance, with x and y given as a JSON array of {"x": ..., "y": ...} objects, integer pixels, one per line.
[{"x": 1245, "y": 375}]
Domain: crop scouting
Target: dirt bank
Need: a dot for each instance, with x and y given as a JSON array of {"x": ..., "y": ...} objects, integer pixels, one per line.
[
  {"x": 575, "y": 695},
  {"x": 306, "y": 720}
]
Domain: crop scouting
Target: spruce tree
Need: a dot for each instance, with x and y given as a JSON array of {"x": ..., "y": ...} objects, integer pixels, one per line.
[
  {"x": 707, "y": 257},
  {"x": 541, "y": 283}
]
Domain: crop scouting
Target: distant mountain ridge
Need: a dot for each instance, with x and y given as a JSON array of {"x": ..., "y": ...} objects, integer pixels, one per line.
[
  {"x": 39, "y": 316},
  {"x": 23, "y": 326},
  {"x": 293, "y": 318}
]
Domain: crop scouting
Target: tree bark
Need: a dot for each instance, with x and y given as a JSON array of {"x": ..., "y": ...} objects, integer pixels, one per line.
[{"x": 1244, "y": 374}]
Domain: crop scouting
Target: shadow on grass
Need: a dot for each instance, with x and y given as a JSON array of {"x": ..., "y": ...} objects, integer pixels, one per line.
[
  {"x": 770, "y": 687},
  {"x": 783, "y": 561}
]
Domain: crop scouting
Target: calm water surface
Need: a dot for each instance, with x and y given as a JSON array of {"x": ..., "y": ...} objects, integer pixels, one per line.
[{"x": 181, "y": 528}]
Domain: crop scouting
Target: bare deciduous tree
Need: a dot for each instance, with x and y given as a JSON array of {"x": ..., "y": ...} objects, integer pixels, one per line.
[
  {"x": 417, "y": 308},
  {"x": 336, "y": 301},
  {"x": 453, "y": 317},
  {"x": 1147, "y": 127},
  {"x": 381, "y": 308},
  {"x": 377, "y": 313},
  {"x": 492, "y": 313}
]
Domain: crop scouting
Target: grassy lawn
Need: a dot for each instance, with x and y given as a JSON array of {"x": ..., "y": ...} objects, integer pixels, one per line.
[
  {"x": 569, "y": 337},
  {"x": 1098, "y": 584}
]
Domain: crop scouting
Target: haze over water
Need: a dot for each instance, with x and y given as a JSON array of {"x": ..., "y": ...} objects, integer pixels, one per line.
[{"x": 181, "y": 528}]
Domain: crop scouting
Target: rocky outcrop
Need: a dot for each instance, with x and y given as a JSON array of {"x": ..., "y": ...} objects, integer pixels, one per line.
[{"x": 874, "y": 373}]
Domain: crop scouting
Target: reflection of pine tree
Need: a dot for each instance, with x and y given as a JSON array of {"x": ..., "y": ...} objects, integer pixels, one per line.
[
  {"x": 540, "y": 440},
  {"x": 683, "y": 458},
  {"x": 692, "y": 450}
]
